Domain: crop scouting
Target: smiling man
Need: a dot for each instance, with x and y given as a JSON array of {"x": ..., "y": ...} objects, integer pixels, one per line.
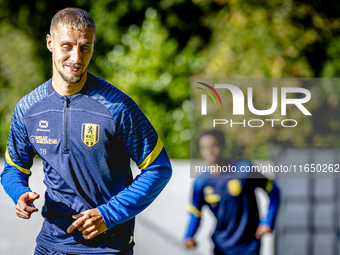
[
  {"x": 85, "y": 130},
  {"x": 71, "y": 52}
]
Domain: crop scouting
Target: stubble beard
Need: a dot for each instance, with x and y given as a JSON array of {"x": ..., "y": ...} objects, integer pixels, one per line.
[{"x": 68, "y": 80}]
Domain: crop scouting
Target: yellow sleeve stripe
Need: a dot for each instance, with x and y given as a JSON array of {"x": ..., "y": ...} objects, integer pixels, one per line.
[
  {"x": 269, "y": 186},
  {"x": 11, "y": 163},
  {"x": 192, "y": 209},
  {"x": 152, "y": 156}
]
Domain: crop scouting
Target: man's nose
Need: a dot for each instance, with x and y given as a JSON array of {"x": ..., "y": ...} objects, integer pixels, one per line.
[{"x": 75, "y": 55}]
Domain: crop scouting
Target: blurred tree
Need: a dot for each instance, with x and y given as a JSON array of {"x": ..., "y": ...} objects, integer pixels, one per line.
[
  {"x": 149, "y": 49},
  {"x": 25, "y": 61},
  {"x": 20, "y": 72},
  {"x": 278, "y": 39}
]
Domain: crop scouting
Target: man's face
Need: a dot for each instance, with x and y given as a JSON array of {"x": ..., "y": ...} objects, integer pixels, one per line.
[
  {"x": 71, "y": 52},
  {"x": 210, "y": 149}
]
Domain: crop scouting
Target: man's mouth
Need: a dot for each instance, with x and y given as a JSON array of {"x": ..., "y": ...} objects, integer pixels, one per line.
[{"x": 73, "y": 68}]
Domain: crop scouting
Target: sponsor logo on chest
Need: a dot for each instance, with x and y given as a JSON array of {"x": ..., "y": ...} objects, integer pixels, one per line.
[
  {"x": 43, "y": 125},
  {"x": 42, "y": 139}
]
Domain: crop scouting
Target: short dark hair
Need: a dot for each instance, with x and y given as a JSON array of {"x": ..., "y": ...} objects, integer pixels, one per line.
[
  {"x": 218, "y": 134},
  {"x": 72, "y": 18}
]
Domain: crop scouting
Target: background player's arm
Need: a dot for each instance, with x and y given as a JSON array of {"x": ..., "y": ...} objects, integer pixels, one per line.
[
  {"x": 274, "y": 195},
  {"x": 267, "y": 222},
  {"x": 194, "y": 222},
  {"x": 194, "y": 215}
]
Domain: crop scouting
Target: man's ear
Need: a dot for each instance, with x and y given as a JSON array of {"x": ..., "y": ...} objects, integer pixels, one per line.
[
  {"x": 49, "y": 42},
  {"x": 94, "y": 41}
]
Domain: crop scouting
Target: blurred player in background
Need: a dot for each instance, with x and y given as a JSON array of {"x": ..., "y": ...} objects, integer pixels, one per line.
[
  {"x": 85, "y": 131},
  {"x": 231, "y": 198}
]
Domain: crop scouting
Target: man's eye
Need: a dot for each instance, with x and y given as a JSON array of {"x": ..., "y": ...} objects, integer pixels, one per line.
[
  {"x": 66, "y": 47},
  {"x": 85, "y": 49}
]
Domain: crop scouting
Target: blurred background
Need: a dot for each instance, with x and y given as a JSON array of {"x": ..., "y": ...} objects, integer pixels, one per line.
[{"x": 150, "y": 49}]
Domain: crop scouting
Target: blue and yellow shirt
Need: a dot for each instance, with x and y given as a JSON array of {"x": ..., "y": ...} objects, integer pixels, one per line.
[
  {"x": 231, "y": 198},
  {"x": 85, "y": 142}
]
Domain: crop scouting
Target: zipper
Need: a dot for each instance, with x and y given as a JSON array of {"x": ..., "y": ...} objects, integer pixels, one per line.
[{"x": 65, "y": 137}]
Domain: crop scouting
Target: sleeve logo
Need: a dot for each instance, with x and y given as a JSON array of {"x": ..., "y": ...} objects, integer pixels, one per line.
[{"x": 90, "y": 134}]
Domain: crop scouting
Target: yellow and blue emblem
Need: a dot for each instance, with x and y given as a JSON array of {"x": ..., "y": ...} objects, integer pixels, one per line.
[
  {"x": 210, "y": 197},
  {"x": 234, "y": 187},
  {"x": 90, "y": 134}
]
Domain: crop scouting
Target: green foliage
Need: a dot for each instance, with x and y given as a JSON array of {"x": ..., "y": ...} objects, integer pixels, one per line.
[
  {"x": 145, "y": 48},
  {"x": 278, "y": 39},
  {"x": 150, "y": 49},
  {"x": 149, "y": 66},
  {"x": 20, "y": 73}
]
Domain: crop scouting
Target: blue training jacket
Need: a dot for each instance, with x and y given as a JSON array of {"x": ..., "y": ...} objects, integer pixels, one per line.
[
  {"x": 231, "y": 198},
  {"x": 86, "y": 142}
]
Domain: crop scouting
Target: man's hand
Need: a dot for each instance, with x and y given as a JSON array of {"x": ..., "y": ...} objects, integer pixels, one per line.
[
  {"x": 261, "y": 230},
  {"x": 89, "y": 222},
  {"x": 25, "y": 207},
  {"x": 189, "y": 243}
]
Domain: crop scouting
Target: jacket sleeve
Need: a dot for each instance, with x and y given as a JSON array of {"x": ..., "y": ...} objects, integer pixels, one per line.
[
  {"x": 194, "y": 210},
  {"x": 146, "y": 149},
  {"x": 274, "y": 195},
  {"x": 18, "y": 158},
  {"x": 273, "y": 191}
]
